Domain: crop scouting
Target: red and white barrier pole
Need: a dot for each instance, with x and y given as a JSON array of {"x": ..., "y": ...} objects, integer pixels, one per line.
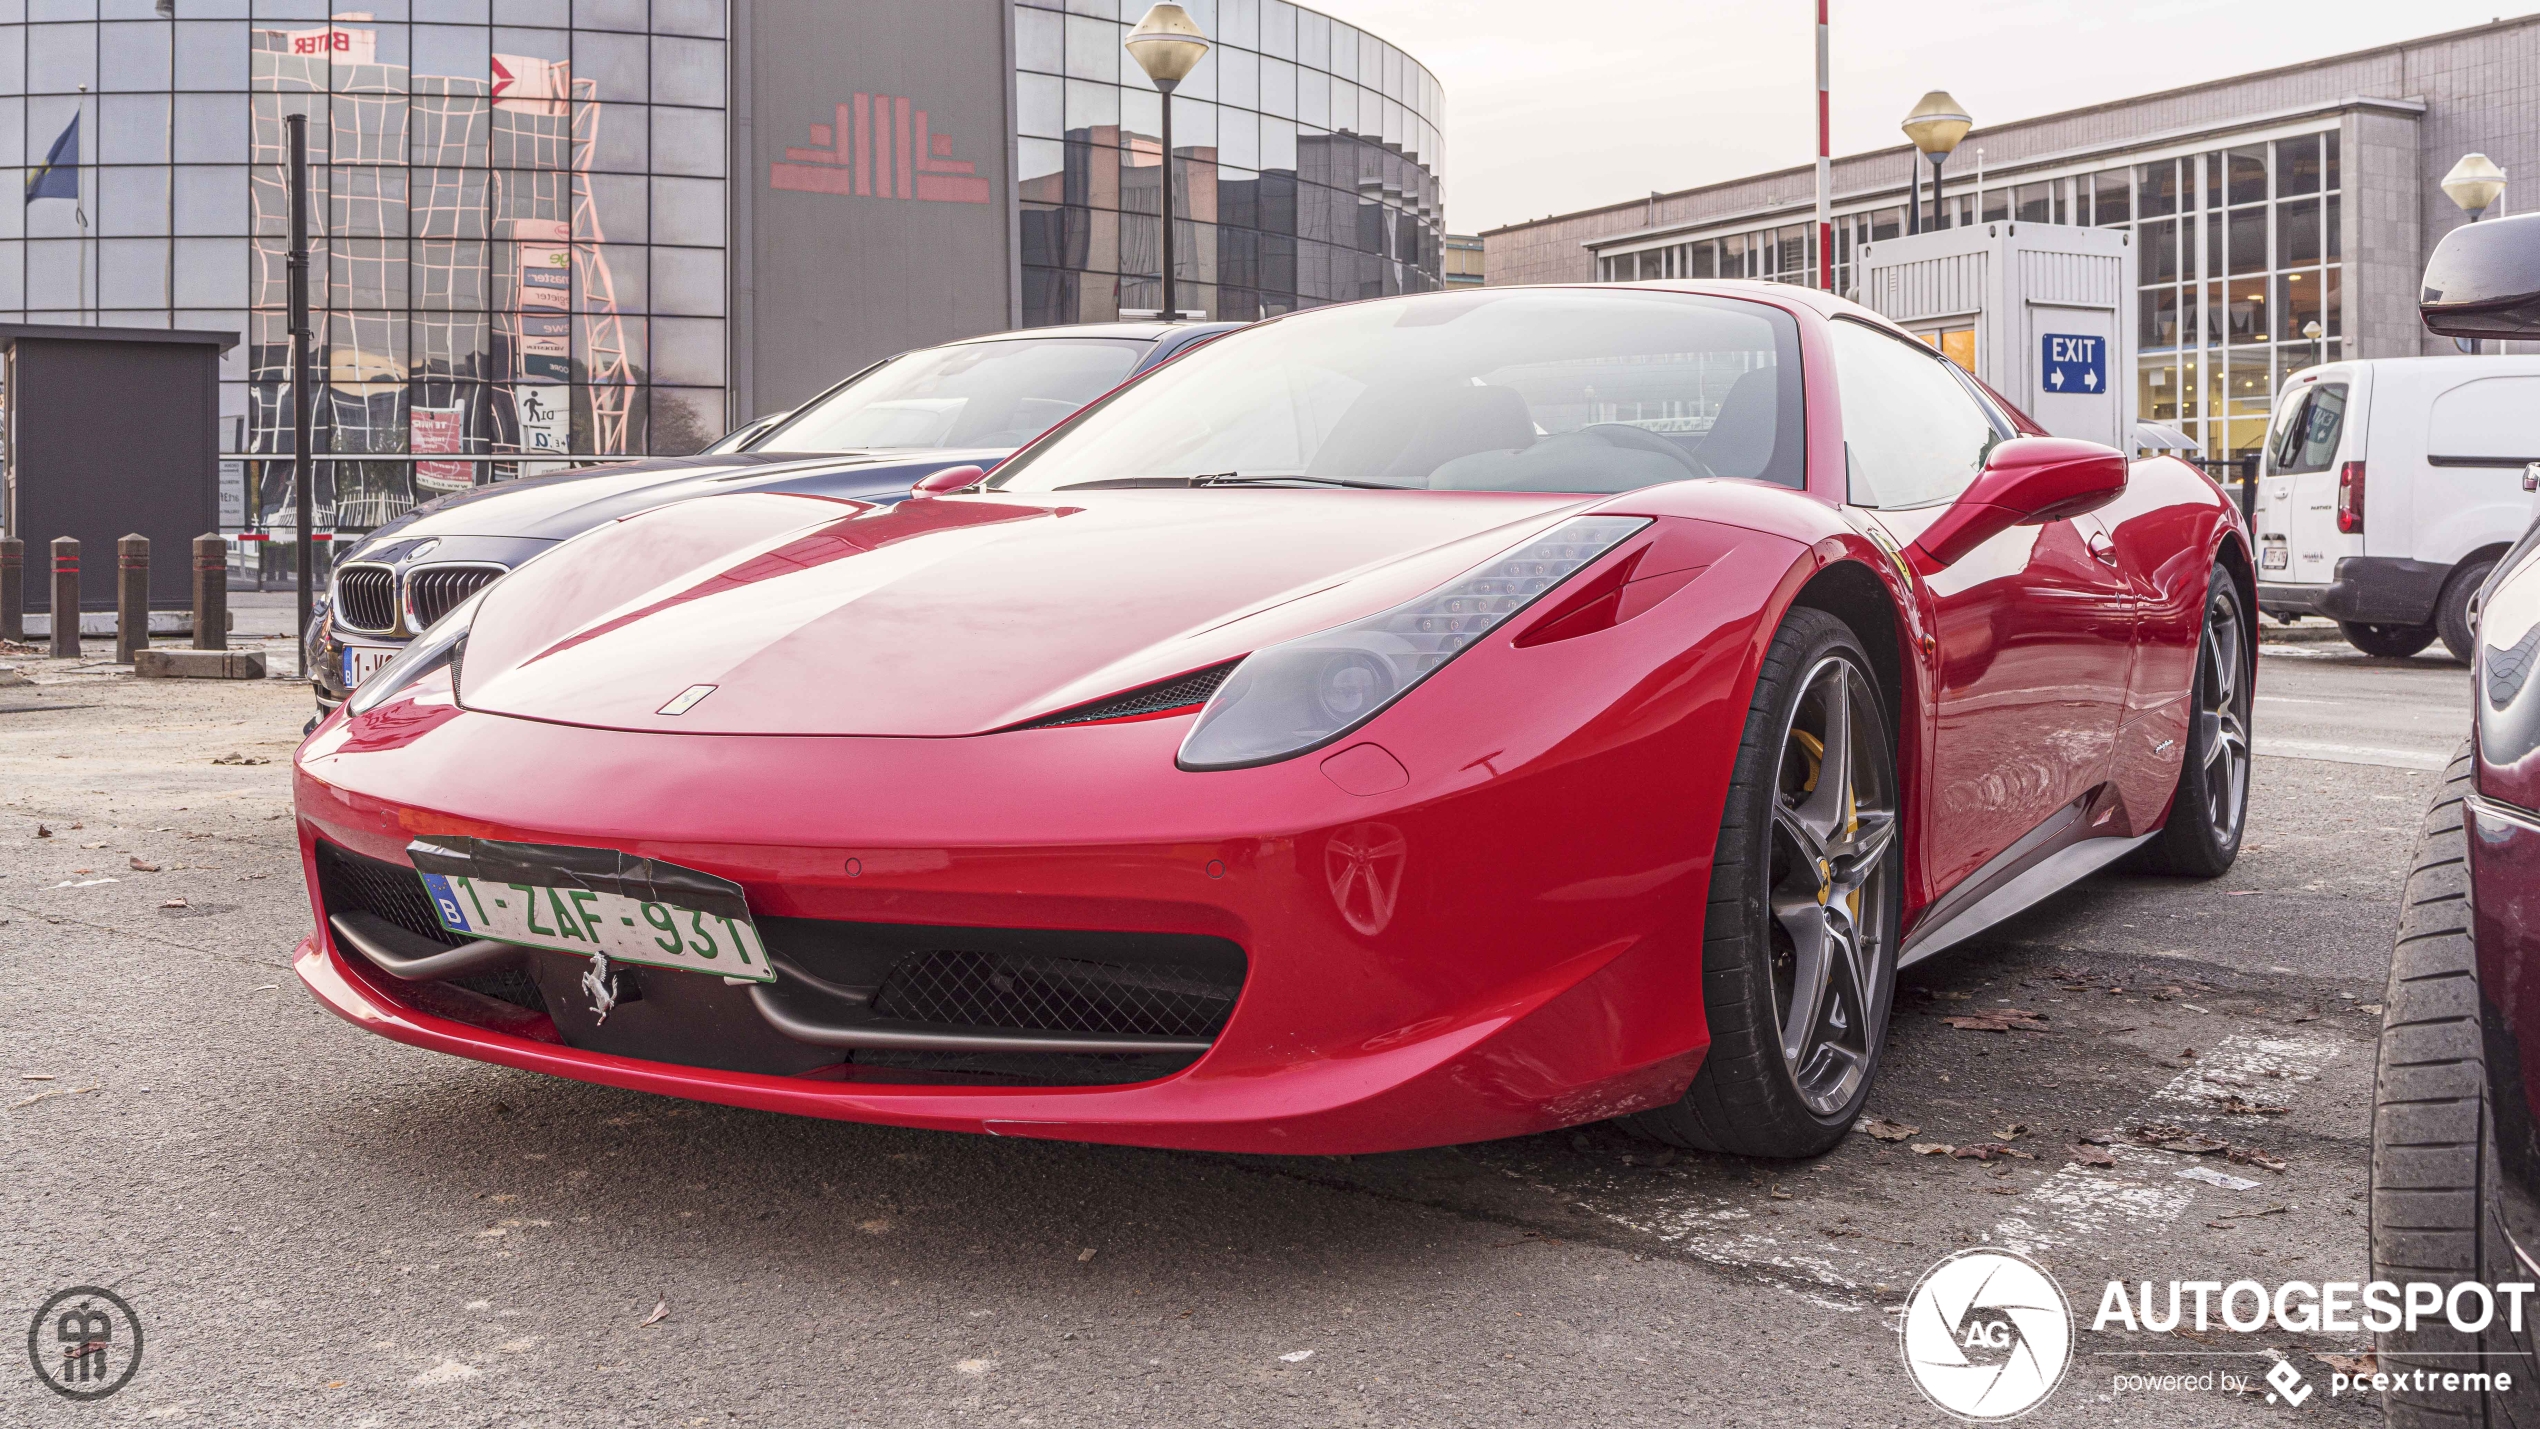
[{"x": 1825, "y": 159}]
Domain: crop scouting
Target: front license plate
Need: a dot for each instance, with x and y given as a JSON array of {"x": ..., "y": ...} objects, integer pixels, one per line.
[
  {"x": 584, "y": 901},
  {"x": 363, "y": 661}
]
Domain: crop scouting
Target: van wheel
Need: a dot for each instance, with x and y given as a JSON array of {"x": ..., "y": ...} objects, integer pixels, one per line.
[
  {"x": 2451, "y": 613},
  {"x": 2390, "y": 642}
]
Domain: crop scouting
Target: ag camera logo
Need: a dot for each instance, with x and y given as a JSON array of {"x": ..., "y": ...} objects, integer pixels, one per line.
[{"x": 1987, "y": 1335}]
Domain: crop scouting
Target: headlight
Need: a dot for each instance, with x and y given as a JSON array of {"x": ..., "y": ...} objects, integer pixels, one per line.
[
  {"x": 1286, "y": 699},
  {"x": 439, "y": 645}
]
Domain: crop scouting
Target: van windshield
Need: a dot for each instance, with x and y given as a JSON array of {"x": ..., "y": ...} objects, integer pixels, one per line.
[{"x": 2306, "y": 440}]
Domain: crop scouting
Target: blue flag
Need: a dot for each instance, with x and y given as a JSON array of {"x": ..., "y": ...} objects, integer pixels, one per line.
[{"x": 59, "y": 175}]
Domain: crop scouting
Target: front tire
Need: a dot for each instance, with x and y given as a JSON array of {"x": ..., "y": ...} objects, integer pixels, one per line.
[
  {"x": 2388, "y": 642},
  {"x": 2210, "y": 809},
  {"x": 2434, "y": 1215},
  {"x": 1799, "y": 936}
]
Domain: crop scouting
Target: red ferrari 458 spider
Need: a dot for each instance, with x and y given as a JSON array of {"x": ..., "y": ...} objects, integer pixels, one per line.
[{"x": 1408, "y": 722}]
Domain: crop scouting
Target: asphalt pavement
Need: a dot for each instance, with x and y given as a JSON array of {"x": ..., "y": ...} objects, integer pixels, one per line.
[{"x": 317, "y": 1225}]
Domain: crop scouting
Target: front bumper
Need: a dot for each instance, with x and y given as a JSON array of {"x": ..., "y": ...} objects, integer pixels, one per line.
[
  {"x": 1416, "y": 976},
  {"x": 2366, "y": 590}
]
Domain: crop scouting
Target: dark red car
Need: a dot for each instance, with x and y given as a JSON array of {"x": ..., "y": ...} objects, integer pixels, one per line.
[{"x": 1409, "y": 722}]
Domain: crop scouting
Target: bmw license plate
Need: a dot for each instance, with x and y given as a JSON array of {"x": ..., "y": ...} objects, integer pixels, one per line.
[
  {"x": 363, "y": 661},
  {"x": 582, "y": 901}
]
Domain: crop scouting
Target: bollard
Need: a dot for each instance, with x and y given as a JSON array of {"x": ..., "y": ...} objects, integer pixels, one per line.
[
  {"x": 12, "y": 588},
  {"x": 65, "y": 598},
  {"x": 132, "y": 596},
  {"x": 211, "y": 593}
]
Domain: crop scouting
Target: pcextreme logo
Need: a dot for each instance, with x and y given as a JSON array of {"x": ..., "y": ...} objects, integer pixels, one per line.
[{"x": 1987, "y": 1335}]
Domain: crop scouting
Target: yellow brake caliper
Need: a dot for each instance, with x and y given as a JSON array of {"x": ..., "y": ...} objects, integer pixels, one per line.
[{"x": 1815, "y": 749}]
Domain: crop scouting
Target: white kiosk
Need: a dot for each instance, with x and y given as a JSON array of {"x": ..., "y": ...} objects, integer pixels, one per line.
[{"x": 2041, "y": 311}]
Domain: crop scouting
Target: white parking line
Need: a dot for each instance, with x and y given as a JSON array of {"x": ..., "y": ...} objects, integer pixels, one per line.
[
  {"x": 2143, "y": 1189},
  {"x": 2350, "y": 754}
]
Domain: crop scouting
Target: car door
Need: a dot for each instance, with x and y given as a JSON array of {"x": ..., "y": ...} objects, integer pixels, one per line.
[
  {"x": 2033, "y": 628},
  {"x": 2306, "y": 451}
]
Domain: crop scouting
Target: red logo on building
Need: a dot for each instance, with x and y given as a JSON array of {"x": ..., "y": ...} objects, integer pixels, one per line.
[{"x": 879, "y": 147}]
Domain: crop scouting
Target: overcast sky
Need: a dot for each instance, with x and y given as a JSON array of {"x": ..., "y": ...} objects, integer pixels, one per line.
[{"x": 1560, "y": 106}]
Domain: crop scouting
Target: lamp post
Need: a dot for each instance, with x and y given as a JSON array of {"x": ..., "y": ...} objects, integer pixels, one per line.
[
  {"x": 2319, "y": 347},
  {"x": 1936, "y": 126},
  {"x": 1168, "y": 45},
  {"x": 2474, "y": 185}
]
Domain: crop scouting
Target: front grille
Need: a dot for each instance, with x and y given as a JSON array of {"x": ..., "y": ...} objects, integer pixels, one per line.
[
  {"x": 434, "y": 591},
  {"x": 351, "y": 883},
  {"x": 366, "y": 599},
  {"x": 1028, "y": 993},
  {"x": 1180, "y": 692}
]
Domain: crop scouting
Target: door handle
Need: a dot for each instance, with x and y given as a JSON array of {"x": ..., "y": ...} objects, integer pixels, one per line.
[{"x": 2102, "y": 547}]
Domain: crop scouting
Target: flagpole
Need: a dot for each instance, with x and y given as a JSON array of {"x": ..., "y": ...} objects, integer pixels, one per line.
[
  {"x": 303, "y": 482},
  {"x": 79, "y": 210}
]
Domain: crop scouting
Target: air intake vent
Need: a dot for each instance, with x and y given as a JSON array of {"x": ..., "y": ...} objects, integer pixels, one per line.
[
  {"x": 1180, "y": 692},
  {"x": 366, "y": 599},
  {"x": 351, "y": 883},
  {"x": 1045, "y": 994},
  {"x": 434, "y": 591}
]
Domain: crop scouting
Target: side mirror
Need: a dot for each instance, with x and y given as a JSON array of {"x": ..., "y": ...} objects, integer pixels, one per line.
[
  {"x": 951, "y": 478},
  {"x": 2027, "y": 481},
  {"x": 2484, "y": 280}
]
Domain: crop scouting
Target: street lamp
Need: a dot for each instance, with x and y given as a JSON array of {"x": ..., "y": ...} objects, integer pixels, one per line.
[
  {"x": 1168, "y": 45},
  {"x": 1936, "y": 126},
  {"x": 2474, "y": 184},
  {"x": 2313, "y": 331}
]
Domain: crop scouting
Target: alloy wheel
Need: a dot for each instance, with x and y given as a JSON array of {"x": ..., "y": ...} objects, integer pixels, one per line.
[
  {"x": 1834, "y": 821},
  {"x": 2222, "y": 716}
]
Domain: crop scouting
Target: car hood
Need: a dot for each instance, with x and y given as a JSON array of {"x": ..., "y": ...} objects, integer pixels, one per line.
[
  {"x": 950, "y": 616},
  {"x": 551, "y": 508}
]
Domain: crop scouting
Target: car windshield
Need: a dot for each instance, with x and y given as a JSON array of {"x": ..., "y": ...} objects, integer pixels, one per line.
[
  {"x": 972, "y": 394},
  {"x": 1521, "y": 389}
]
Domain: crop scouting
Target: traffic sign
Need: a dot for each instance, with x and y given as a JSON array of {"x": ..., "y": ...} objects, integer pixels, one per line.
[{"x": 2075, "y": 364}]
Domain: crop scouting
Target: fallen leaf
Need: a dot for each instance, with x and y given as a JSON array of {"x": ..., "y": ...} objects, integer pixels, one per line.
[
  {"x": 1838, "y": 1232},
  {"x": 92, "y": 845},
  {"x": 2306, "y": 1017},
  {"x": 1086, "y": 1254},
  {"x": 233, "y": 757},
  {"x": 2244, "y": 893},
  {"x": 1780, "y": 1195},
  {"x": 139, "y": 867},
  {"x": 2102, "y": 1137},
  {"x": 2252, "y": 1156},
  {"x": 35, "y": 1076},
  {"x": 2372, "y": 1009},
  {"x": 43, "y": 832},
  {"x": 1987, "y": 1150},
  {"x": 2187, "y": 1052},
  {"x": 56, "y": 1092},
  {"x": 1296, "y": 1357},
  {"x": 174, "y": 903},
  {"x": 1883, "y": 1129},
  {"x": 2365, "y": 1363},
  {"x": 2002, "y": 1020},
  {"x": 2013, "y": 1132},
  {"x": 2237, "y": 1105},
  {"x": 1933, "y": 1148},
  {"x": 2091, "y": 1156},
  {"x": 2278, "y": 1209},
  {"x": 661, "y": 1312}
]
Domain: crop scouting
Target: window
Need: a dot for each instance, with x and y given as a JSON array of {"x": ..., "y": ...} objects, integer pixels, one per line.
[
  {"x": 1912, "y": 433},
  {"x": 1508, "y": 389},
  {"x": 2307, "y": 439}
]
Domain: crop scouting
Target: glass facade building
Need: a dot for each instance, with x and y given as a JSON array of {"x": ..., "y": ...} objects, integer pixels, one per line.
[
  {"x": 549, "y": 227},
  {"x": 517, "y": 218},
  {"x": 1305, "y": 165}
]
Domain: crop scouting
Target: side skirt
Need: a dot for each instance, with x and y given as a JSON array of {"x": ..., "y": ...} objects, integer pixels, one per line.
[{"x": 2066, "y": 865}]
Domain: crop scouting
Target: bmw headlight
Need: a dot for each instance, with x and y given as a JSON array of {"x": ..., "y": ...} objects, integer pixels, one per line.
[
  {"x": 1286, "y": 699},
  {"x": 443, "y": 643}
]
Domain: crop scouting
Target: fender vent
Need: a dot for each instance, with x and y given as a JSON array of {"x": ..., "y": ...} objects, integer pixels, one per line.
[{"x": 1180, "y": 692}]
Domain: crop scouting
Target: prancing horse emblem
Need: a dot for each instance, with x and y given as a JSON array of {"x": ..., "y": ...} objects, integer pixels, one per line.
[{"x": 1363, "y": 864}]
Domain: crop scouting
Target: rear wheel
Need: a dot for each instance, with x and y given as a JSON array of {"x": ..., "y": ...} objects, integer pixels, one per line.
[
  {"x": 1799, "y": 938},
  {"x": 2434, "y": 1214},
  {"x": 2390, "y": 642},
  {"x": 2451, "y": 613},
  {"x": 2211, "y": 805}
]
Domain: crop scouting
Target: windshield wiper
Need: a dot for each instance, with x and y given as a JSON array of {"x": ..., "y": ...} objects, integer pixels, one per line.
[{"x": 1228, "y": 478}]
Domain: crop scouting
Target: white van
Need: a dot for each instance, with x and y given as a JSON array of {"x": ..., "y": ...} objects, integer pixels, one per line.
[{"x": 2388, "y": 489}]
